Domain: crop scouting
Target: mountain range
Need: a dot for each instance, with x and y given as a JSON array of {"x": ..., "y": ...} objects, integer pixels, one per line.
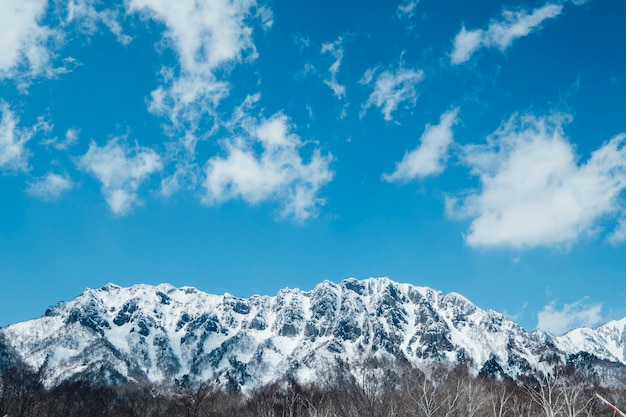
[{"x": 164, "y": 334}]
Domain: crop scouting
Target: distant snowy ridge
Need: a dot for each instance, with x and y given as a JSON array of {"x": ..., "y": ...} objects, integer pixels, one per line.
[
  {"x": 606, "y": 342},
  {"x": 173, "y": 335}
]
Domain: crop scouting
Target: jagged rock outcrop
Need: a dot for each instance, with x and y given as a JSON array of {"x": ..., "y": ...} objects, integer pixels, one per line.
[{"x": 182, "y": 335}]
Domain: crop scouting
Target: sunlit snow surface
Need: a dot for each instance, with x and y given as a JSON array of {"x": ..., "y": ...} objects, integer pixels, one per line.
[
  {"x": 167, "y": 334},
  {"x": 606, "y": 342}
]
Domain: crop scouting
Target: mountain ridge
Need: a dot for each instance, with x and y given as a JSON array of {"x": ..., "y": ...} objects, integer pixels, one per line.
[{"x": 171, "y": 335}]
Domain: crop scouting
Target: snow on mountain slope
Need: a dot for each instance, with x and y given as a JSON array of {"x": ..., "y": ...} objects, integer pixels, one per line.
[
  {"x": 607, "y": 342},
  {"x": 176, "y": 335}
]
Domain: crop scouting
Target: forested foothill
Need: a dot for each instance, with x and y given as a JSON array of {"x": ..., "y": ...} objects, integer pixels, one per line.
[{"x": 372, "y": 389}]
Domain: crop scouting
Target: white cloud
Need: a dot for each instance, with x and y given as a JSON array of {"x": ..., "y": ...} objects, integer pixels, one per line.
[
  {"x": 619, "y": 235},
  {"x": 120, "y": 170},
  {"x": 186, "y": 101},
  {"x": 205, "y": 36},
  {"x": 406, "y": 9},
  {"x": 534, "y": 192},
  {"x": 265, "y": 15},
  {"x": 501, "y": 34},
  {"x": 24, "y": 41},
  {"x": 336, "y": 51},
  {"x": 13, "y": 139},
  {"x": 430, "y": 156},
  {"x": 186, "y": 176},
  {"x": 71, "y": 137},
  {"x": 465, "y": 44},
  {"x": 50, "y": 187},
  {"x": 186, "y": 173},
  {"x": 265, "y": 164},
  {"x": 573, "y": 315},
  {"x": 391, "y": 88},
  {"x": 88, "y": 17}
]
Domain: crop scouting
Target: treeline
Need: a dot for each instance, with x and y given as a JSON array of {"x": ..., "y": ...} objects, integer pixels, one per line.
[{"x": 372, "y": 389}]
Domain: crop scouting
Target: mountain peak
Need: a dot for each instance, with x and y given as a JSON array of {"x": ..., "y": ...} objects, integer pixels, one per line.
[{"x": 166, "y": 334}]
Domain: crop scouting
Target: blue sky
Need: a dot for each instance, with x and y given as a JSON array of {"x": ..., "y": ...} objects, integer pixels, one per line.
[{"x": 243, "y": 146}]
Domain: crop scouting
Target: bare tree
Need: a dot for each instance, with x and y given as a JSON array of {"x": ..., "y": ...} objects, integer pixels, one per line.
[
  {"x": 499, "y": 396},
  {"x": 474, "y": 395},
  {"x": 424, "y": 395},
  {"x": 548, "y": 395},
  {"x": 577, "y": 398}
]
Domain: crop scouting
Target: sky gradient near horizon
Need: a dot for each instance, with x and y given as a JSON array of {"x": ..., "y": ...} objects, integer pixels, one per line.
[{"x": 244, "y": 146}]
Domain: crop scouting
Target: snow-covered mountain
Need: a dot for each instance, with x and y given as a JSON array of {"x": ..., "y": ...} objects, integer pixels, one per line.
[
  {"x": 167, "y": 334},
  {"x": 607, "y": 342}
]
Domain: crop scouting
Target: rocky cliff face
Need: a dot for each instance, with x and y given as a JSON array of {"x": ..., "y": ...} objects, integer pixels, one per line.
[{"x": 174, "y": 335}]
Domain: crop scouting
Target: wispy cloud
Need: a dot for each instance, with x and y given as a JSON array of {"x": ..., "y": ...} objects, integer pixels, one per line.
[
  {"x": 534, "y": 192},
  {"x": 121, "y": 170},
  {"x": 50, "y": 187},
  {"x": 13, "y": 139},
  {"x": 391, "y": 88},
  {"x": 186, "y": 175},
  {"x": 205, "y": 36},
  {"x": 577, "y": 314},
  {"x": 406, "y": 9},
  {"x": 501, "y": 33},
  {"x": 336, "y": 50},
  {"x": 186, "y": 102},
  {"x": 25, "y": 43},
  {"x": 71, "y": 137},
  {"x": 264, "y": 163},
  {"x": 13, "y": 155},
  {"x": 208, "y": 38},
  {"x": 619, "y": 234},
  {"x": 88, "y": 17},
  {"x": 430, "y": 156}
]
